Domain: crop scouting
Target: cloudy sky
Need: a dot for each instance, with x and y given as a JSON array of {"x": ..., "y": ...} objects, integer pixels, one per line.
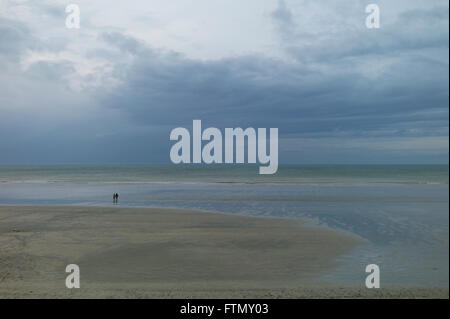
[{"x": 111, "y": 91}]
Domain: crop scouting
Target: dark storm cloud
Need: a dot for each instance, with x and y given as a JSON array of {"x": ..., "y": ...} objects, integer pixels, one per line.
[
  {"x": 346, "y": 96},
  {"x": 165, "y": 88}
]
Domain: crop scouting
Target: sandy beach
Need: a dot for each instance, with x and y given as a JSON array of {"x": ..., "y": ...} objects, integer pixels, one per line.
[{"x": 168, "y": 253}]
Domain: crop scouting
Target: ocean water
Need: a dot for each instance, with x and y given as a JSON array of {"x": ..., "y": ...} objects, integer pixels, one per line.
[
  {"x": 289, "y": 174},
  {"x": 401, "y": 212}
]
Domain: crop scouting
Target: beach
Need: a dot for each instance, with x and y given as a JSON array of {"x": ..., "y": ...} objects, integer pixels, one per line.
[{"x": 173, "y": 253}]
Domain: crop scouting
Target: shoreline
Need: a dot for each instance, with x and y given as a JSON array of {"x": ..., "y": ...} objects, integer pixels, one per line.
[
  {"x": 305, "y": 221},
  {"x": 129, "y": 252}
]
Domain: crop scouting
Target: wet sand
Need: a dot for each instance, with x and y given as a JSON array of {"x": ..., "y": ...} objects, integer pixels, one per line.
[{"x": 168, "y": 253}]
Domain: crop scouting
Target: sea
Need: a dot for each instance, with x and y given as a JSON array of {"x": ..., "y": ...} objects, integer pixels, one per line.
[{"x": 400, "y": 212}]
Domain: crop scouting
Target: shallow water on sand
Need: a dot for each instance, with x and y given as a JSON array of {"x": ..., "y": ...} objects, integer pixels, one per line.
[{"x": 402, "y": 214}]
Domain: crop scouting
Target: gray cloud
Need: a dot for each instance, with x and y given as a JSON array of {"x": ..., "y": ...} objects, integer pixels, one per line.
[
  {"x": 169, "y": 89},
  {"x": 284, "y": 20},
  {"x": 414, "y": 29},
  {"x": 121, "y": 41},
  {"x": 14, "y": 38},
  {"x": 345, "y": 96}
]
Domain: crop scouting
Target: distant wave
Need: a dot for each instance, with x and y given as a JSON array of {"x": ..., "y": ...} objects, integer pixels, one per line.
[
  {"x": 246, "y": 175},
  {"x": 239, "y": 182}
]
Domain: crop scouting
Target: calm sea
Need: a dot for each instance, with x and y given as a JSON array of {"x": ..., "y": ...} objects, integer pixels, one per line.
[
  {"x": 292, "y": 174},
  {"x": 400, "y": 211}
]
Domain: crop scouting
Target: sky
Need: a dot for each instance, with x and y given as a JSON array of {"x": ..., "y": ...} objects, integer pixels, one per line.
[{"x": 112, "y": 90}]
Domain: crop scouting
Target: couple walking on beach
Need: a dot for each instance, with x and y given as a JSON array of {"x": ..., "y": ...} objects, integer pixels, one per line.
[{"x": 115, "y": 197}]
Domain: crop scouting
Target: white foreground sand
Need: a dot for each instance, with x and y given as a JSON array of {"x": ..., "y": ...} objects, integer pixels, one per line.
[{"x": 167, "y": 253}]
